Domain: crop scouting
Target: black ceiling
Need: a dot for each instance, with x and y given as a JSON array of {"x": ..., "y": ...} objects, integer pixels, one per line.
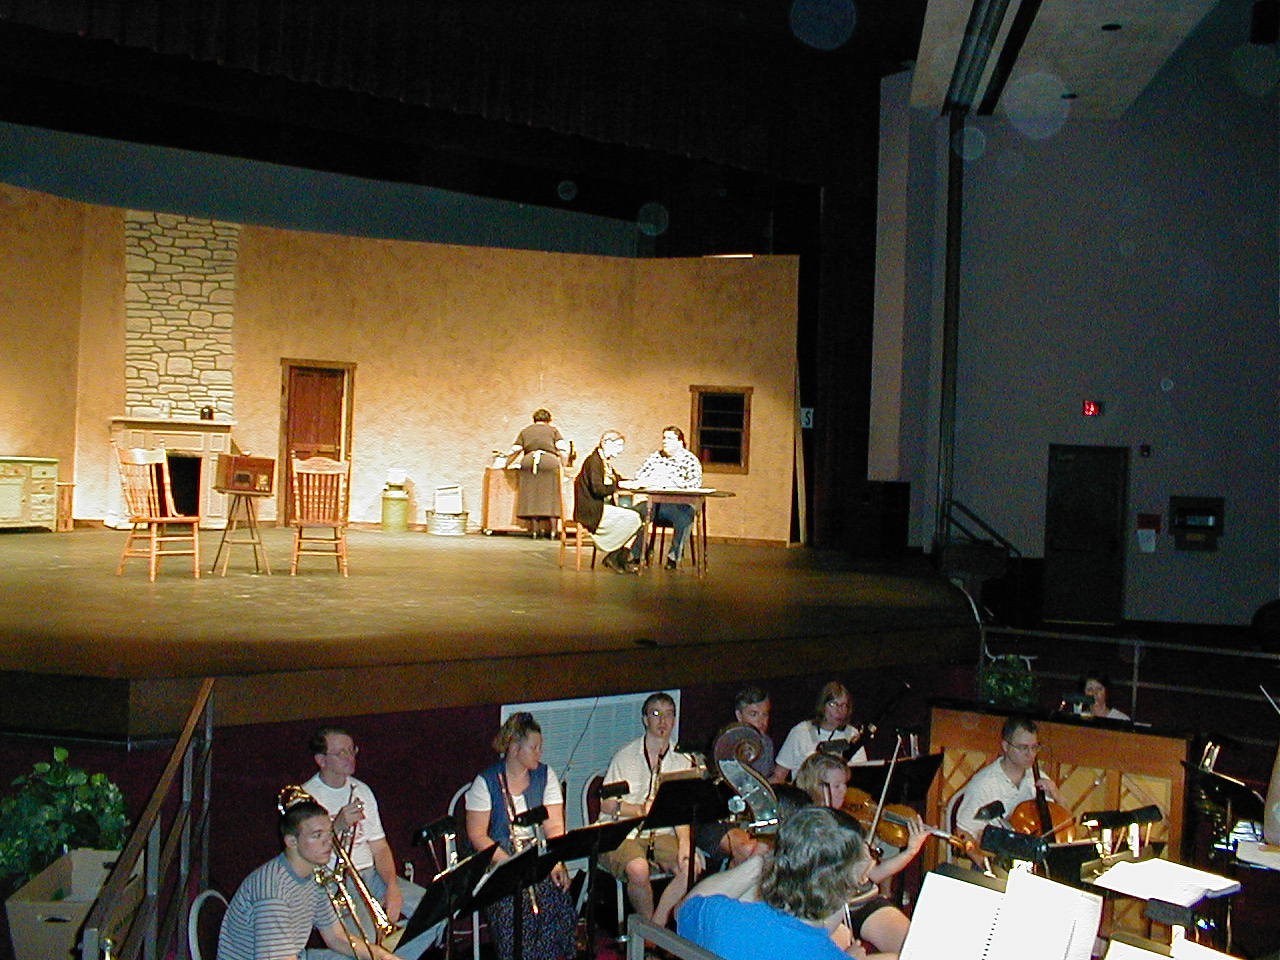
[{"x": 712, "y": 108}]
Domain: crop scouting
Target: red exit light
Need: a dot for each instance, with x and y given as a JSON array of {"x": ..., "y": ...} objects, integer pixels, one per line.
[{"x": 1091, "y": 408}]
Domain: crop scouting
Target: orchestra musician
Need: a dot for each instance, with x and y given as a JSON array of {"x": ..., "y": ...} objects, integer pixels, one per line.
[
  {"x": 1096, "y": 686},
  {"x": 640, "y": 764},
  {"x": 720, "y": 841},
  {"x": 271, "y": 915},
  {"x": 827, "y": 730},
  {"x": 998, "y": 788},
  {"x": 787, "y": 903},
  {"x": 519, "y": 782},
  {"x": 354, "y": 810},
  {"x": 825, "y": 778}
]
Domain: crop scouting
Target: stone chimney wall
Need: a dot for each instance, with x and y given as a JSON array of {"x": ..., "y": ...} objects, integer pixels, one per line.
[{"x": 179, "y": 315}]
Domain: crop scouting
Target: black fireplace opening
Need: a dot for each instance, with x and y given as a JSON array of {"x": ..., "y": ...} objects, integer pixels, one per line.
[{"x": 184, "y": 475}]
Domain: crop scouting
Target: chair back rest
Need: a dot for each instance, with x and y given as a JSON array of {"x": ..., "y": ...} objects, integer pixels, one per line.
[
  {"x": 458, "y": 810},
  {"x": 204, "y": 924},
  {"x": 144, "y": 481},
  {"x": 566, "y": 496},
  {"x": 591, "y": 798},
  {"x": 320, "y": 489}
]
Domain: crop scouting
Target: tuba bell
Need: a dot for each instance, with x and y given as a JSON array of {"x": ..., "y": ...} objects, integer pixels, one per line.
[
  {"x": 334, "y": 881},
  {"x": 736, "y": 746}
]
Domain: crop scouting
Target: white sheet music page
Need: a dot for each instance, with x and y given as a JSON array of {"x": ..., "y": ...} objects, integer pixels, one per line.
[
  {"x": 1118, "y": 950},
  {"x": 953, "y": 918},
  {"x": 1165, "y": 880},
  {"x": 1044, "y": 919}
]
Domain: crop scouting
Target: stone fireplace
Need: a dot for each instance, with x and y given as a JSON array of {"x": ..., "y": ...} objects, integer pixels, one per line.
[{"x": 201, "y": 440}]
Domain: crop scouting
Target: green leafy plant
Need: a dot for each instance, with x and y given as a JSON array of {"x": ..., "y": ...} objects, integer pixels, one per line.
[
  {"x": 1006, "y": 682},
  {"x": 53, "y": 809}
]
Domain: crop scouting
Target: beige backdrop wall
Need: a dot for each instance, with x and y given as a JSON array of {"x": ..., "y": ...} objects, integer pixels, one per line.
[
  {"x": 453, "y": 347},
  {"x": 456, "y": 346}
]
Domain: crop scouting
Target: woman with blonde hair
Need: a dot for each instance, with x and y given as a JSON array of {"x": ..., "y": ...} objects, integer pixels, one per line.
[{"x": 519, "y": 782}]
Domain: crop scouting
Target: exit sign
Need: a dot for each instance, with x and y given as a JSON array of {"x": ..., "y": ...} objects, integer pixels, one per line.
[{"x": 1091, "y": 408}]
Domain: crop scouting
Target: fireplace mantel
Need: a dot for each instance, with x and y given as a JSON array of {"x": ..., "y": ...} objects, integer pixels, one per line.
[{"x": 205, "y": 439}]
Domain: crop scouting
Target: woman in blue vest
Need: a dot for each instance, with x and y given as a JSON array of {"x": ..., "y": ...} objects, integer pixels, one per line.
[{"x": 520, "y": 781}]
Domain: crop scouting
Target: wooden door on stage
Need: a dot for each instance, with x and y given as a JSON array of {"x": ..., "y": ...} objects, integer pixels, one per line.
[{"x": 315, "y": 416}]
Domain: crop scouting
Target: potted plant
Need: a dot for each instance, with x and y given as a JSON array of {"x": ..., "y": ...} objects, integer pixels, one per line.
[
  {"x": 1006, "y": 681},
  {"x": 53, "y": 809}
]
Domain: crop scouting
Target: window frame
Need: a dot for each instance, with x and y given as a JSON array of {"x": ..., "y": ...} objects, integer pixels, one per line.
[{"x": 697, "y": 392}]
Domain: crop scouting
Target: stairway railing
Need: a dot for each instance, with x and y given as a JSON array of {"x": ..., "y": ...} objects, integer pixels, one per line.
[{"x": 163, "y": 860}]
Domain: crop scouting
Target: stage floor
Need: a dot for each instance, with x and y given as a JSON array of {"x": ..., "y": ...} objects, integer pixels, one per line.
[{"x": 452, "y": 620}]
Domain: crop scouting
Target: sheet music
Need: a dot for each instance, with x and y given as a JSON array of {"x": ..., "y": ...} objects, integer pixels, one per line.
[
  {"x": 1127, "y": 951},
  {"x": 1061, "y": 921},
  {"x": 953, "y": 918},
  {"x": 971, "y": 919},
  {"x": 1187, "y": 950},
  {"x": 1164, "y": 880}
]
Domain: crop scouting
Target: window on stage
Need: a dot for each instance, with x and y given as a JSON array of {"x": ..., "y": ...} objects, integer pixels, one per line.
[{"x": 721, "y": 428}]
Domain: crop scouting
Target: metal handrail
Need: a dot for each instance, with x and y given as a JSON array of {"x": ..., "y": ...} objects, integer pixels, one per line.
[
  {"x": 640, "y": 933},
  {"x": 120, "y": 929},
  {"x": 950, "y": 507},
  {"x": 1139, "y": 649}
]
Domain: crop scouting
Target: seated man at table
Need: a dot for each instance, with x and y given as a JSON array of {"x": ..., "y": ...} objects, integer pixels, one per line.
[{"x": 671, "y": 468}]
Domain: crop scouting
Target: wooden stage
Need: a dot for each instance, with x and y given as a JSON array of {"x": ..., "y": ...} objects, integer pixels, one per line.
[{"x": 431, "y": 622}]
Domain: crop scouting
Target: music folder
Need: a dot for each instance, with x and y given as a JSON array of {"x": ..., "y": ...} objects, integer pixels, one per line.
[
  {"x": 911, "y": 778},
  {"x": 681, "y": 802},
  {"x": 448, "y": 894},
  {"x": 595, "y": 838},
  {"x": 511, "y": 876}
]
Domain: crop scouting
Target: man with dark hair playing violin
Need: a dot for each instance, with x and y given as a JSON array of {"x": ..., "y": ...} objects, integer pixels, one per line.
[{"x": 1009, "y": 780}]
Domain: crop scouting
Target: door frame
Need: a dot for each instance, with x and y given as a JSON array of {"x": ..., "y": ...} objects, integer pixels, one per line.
[
  {"x": 287, "y": 366},
  {"x": 1121, "y": 528}
]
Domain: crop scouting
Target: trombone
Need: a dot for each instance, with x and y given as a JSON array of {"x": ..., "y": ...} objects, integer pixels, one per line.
[{"x": 334, "y": 881}]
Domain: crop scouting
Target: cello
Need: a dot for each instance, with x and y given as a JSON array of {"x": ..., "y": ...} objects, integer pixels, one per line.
[{"x": 1042, "y": 817}]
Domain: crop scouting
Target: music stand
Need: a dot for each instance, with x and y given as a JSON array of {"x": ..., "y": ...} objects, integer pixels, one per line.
[
  {"x": 687, "y": 801},
  {"x": 911, "y": 778},
  {"x": 589, "y": 841},
  {"x": 509, "y": 879},
  {"x": 448, "y": 894}
]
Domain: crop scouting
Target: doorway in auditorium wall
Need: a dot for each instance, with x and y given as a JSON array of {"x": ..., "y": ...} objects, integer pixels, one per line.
[
  {"x": 1085, "y": 534},
  {"x": 315, "y": 416}
]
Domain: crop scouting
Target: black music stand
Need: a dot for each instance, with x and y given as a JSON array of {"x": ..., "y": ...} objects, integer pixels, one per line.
[
  {"x": 911, "y": 778},
  {"x": 509, "y": 879},
  {"x": 590, "y": 841},
  {"x": 687, "y": 801},
  {"x": 448, "y": 895}
]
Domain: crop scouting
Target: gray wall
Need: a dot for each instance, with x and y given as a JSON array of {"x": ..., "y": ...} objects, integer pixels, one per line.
[
  {"x": 142, "y": 177},
  {"x": 1133, "y": 262}
]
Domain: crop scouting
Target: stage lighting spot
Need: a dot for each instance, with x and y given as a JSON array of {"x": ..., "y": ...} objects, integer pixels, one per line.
[
  {"x": 566, "y": 190},
  {"x": 969, "y": 143},
  {"x": 1035, "y": 105},
  {"x": 1254, "y": 69},
  {"x": 653, "y": 219},
  {"x": 823, "y": 24}
]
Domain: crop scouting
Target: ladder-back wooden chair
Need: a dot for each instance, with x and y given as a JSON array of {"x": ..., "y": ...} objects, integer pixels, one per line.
[
  {"x": 572, "y": 533},
  {"x": 159, "y": 530},
  {"x": 320, "y": 492}
]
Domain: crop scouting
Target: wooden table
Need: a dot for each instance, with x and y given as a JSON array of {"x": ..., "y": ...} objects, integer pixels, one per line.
[{"x": 696, "y": 498}]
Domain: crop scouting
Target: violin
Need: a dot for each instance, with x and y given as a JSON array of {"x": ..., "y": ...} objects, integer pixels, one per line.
[
  {"x": 1042, "y": 817},
  {"x": 894, "y": 827}
]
